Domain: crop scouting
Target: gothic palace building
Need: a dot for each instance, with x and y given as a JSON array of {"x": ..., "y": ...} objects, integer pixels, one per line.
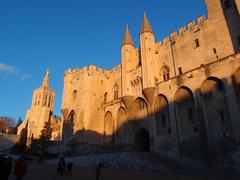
[{"x": 178, "y": 95}]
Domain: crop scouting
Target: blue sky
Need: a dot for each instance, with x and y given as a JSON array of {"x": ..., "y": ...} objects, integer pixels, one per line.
[{"x": 61, "y": 34}]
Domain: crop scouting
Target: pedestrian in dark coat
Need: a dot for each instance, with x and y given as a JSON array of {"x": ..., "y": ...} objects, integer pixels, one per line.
[
  {"x": 20, "y": 169},
  {"x": 61, "y": 167},
  {"x": 8, "y": 161},
  {"x": 69, "y": 169},
  {"x": 5, "y": 167},
  {"x": 98, "y": 171},
  {"x": 3, "y": 173}
]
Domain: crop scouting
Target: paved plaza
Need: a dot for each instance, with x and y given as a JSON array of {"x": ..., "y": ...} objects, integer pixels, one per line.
[{"x": 48, "y": 172}]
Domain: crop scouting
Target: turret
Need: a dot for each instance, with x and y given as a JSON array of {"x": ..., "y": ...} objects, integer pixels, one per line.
[
  {"x": 147, "y": 47},
  {"x": 128, "y": 61},
  {"x": 127, "y": 40}
]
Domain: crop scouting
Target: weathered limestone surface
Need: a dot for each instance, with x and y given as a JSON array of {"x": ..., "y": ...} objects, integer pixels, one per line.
[
  {"x": 174, "y": 96},
  {"x": 178, "y": 96}
]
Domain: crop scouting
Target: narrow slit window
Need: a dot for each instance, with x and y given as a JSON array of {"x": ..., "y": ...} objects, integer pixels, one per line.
[
  {"x": 105, "y": 97},
  {"x": 197, "y": 44},
  {"x": 180, "y": 70},
  {"x": 214, "y": 51}
]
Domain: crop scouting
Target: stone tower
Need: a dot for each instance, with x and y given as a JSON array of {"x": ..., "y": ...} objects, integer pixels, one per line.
[
  {"x": 41, "y": 109},
  {"x": 147, "y": 48},
  {"x": 129, "y": 62},
  {"x": 225, "y": 14}
]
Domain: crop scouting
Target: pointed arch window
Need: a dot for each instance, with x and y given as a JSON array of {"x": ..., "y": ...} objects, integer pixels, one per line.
[
  {"x": 165, "y": 73},
  {"x": 74, "y": 94},
  {"x": 115, "y": 91}
]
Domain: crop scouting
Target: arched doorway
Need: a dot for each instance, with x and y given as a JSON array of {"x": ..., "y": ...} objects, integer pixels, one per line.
[{"x": 142, "y": 140}]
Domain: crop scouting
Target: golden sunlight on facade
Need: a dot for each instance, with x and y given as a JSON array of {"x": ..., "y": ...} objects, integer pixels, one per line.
[
  {"x": 178, "y": 95},
  {"x": 41, "y": 112}
]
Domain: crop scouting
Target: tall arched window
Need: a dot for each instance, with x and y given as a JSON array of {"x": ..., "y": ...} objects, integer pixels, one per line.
[
  {"x": 165, "y": 71},
  {"x": 115, "y": 91}
]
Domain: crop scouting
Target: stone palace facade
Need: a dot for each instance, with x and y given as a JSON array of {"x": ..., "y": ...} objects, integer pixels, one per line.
[{"x": 178, "y": 95}]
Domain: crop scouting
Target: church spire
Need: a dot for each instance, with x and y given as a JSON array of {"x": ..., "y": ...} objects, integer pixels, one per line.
[
  {"x": 146, "y": 27},
  {"x": 127, "y": 37},
  {"x": 46, "y": 79}
]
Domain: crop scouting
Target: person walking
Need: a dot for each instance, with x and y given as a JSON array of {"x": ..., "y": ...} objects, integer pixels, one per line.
[
  {"x": 8, "y": 165},
  {"x": 98, "y": 171},
  {"x": 61, "y": 167},
  {"x": 3, "y": 168},
  {"x": 69, "y": 169},
  {"x": 20, "y": 169}
]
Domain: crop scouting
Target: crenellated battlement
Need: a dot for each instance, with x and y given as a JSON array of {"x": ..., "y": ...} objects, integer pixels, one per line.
[
  {"x": 191, "y": 26},
  {"x": 90, "y": 70}
]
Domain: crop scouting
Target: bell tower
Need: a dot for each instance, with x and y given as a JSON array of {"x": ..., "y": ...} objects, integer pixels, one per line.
[{"x": 41, "y": 109}]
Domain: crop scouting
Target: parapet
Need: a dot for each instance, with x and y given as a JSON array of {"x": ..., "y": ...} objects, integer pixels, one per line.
[
  {"x": 116, "y": 68},
  {"x": 85, "y": 71},
  {"x": 166, "y": 40},
  {"x": 183, "y": 30},
  {"x": 201, "y": 20},
  {"x": 92, "y": 68},
  {"x": 191, "y": 25}
]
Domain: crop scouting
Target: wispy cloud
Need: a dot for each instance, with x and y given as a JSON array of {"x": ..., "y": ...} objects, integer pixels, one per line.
[
  {"x": 25, "y": 77},
  {"x": 7, "y": 69}
]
